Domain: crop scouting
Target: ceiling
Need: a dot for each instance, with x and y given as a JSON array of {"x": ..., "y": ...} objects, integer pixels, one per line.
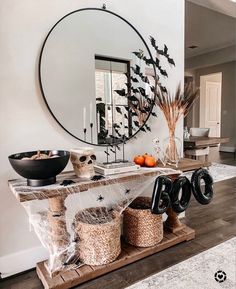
[
  {"x": 227, "y": 7},
  {"x": 208, "y": 29}
]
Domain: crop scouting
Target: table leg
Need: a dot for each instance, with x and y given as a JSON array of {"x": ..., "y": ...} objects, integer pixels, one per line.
[
  {"x": 60, "y": 238},
  {"x": 173, "y": 223}
]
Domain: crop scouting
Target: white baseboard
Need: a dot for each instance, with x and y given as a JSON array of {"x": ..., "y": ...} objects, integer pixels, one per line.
[
  {"x": 21, "y": 261},
  {"x": 227, "y": 149}
]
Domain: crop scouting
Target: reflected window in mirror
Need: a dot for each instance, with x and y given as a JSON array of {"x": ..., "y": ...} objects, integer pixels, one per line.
[{"x": 113, "y": 114}]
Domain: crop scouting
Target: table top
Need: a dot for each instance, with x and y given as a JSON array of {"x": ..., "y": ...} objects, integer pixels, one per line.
[
  {"x": 26, "y": 193},
  {"x": 196, "y": 141}
]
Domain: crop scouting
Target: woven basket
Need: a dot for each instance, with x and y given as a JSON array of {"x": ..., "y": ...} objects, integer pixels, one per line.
[
  {"x": 141, "y": 228},
  {"x": 98, "y": 235}
]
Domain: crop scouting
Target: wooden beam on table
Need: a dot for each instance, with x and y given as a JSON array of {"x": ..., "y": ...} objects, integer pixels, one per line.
[{"x": 26, "y": 193}]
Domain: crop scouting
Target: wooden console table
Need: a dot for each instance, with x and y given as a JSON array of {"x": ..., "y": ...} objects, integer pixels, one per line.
[{"x": 56, "y": 195}]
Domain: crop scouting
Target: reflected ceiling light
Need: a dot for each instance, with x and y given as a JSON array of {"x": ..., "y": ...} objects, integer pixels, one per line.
[{"x": 233, "y": 1}]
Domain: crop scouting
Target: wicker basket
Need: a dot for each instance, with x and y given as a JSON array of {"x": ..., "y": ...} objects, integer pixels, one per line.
[
  {"x": 98, "y": 235},
  {"x": 141, "y": 228}
]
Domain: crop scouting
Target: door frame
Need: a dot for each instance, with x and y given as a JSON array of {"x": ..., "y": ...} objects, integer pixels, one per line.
[{"x": 203, "y": 79}]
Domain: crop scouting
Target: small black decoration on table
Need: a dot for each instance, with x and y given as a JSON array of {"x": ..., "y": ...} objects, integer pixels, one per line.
[
  {"x": 67, "y": 183},
  {"x": 100, "y": 198}
]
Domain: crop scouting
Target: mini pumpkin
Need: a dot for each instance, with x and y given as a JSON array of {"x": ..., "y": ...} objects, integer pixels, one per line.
[
  {"x": 146, "y": 155},
  {"x": 139, "y": 160},
  {"x": 150, "y": 161}
]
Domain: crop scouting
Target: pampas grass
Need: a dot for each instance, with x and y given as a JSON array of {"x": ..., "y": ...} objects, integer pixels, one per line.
[{"x": 174, "y": 107}]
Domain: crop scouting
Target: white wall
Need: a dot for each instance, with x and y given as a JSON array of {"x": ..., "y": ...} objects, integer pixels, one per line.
[{"x": 25, "y": 121}]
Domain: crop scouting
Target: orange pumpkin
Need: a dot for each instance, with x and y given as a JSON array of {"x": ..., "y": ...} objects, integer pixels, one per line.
[
  {"x": 146, "y": 155},
  {"x": 139, "y": 160},
  {"x": 150, "y": 161}
]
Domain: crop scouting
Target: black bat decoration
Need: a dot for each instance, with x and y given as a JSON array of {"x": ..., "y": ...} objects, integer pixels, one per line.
[
  {"x": 136, "y": 123},
  {"x": 98, "y": 98},
  {"x": 115, "y": 125},
  {"x": 142, "y": 91},
  {"x": 118, "y": 147},
  {"x": 106, "y": 153},
  {"x": 148, "y": 61},
  {"x": 67, "y": 183},
  {"x": 135, "y": 90},
  {"x": 148, "y": 127},
  {"x": 153, "y": 114},
  {"x": 136, "y": 70},
  {"x": 132, "y": 98},
  {"x": 125, "y": 115},
  {"x": 134, "y": 79},
  {"x": 100, "y": 198},
  {"x": 134, "y": 113},
  {"x": 145, "y": 79},
  {"x": 162, "y": 71},
  {"x": 163, "y": 52},
  {"x": 121, "y": 92},
  {"x": 118, "y": 132},
  {"x": 118, "y": 109},
  {"x": 138, "y": 54},
  {"x": 163, "y": 88},
  {"x": 142, "y": 129},
  {"x": 152, "y": 88},
  {"x": 97, "y": 178},
  {"x": 112, "y": 151},
  {"x": 127, "y": 191}
]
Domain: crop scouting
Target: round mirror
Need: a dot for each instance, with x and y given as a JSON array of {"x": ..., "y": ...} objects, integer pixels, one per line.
[{"x": 93, "y": 83}]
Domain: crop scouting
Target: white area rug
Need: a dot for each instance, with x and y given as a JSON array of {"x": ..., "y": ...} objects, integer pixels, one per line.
[
  {"x": 198, "y": 272},
  {"x": 219, "y": 172}
]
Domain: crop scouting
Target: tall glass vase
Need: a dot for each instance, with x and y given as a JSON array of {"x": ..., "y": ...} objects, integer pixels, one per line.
[{"x": 172, "y": 149}]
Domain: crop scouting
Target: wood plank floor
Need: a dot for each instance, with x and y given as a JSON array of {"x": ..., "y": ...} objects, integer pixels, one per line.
[{"x": 213, "y": 224}]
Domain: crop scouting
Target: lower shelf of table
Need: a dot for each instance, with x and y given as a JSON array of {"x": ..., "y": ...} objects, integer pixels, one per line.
[{"x": 68, "y": 279}]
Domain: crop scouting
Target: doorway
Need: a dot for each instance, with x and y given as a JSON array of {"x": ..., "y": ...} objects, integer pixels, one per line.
[{"x": 210, "y": 103}]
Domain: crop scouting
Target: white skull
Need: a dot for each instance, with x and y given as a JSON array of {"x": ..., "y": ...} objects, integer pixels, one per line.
[{"x": 83, "y": 160}]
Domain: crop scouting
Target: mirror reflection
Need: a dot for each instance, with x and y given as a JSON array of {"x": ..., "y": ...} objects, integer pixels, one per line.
[{"x": 95, "y": 86}]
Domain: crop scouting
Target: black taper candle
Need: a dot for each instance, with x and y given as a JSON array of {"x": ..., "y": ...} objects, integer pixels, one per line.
[
  {"x": 91, "y": 131},
  {"x": 85, "y": 130}
]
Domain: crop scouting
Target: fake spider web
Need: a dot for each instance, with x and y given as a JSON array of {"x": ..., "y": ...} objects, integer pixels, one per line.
[{"x": 57, "y": 230}]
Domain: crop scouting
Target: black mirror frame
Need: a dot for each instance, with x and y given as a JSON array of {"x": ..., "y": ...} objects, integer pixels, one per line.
[{"x": 40, "y": 80}]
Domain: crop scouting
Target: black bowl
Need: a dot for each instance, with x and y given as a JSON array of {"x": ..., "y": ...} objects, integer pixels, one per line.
[{"x": 39, "y": 172}]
